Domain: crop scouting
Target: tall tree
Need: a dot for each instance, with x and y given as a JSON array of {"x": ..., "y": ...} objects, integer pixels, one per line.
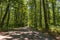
[
  {"x": 35, "y": 15},
  {"x": 8, "y": 17},
  {"x": 45, "y": 15},
  {"x": 4, "y": 17},
  {"x": 54, "y": 13},
  {"x": 48, "y": 11},
  {"x": 0, "y": 13},
  {"x": 40, "y": 14}
]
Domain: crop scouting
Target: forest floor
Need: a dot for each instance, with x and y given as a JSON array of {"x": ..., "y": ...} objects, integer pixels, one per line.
[{"x": 25, "y": 33}]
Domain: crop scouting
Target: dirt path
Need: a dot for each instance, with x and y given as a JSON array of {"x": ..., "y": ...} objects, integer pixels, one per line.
[{"x": 25, "y": 34}]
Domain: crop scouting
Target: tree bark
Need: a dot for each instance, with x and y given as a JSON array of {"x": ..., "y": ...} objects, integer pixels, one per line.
[
  {"x": 54, "y": 13},
  {"x": 35, "y": 17},
  {"x": 45, "y": 16},
  {"x": 48, "y": 11},
  {"x": 8, "y": 18},
  {"x": 40, "y": 15},
  {"x": 4, "y": 17}
]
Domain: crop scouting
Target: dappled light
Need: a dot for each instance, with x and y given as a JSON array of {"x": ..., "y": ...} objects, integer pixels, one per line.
[{"x": 29, "y": 19}]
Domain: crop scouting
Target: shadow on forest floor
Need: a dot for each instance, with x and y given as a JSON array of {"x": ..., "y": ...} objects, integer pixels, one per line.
[{"x": 25, "y": 34}]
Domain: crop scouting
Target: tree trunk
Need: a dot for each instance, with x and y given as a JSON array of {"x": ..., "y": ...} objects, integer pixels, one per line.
[
  {"x": 40, "y": 15},
  {"x": 45, "y": 16},
  {"x": 1, "y": 15},
  {"x": 54, "y": 13},
  {"x": 35, "y": 17},
  {"x": 8, "y": 19},
  {"x": 4, "y": 17},
  {"x": 48, "y": 11}
]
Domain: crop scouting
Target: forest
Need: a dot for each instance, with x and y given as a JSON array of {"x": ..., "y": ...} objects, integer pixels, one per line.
[{"x": 41, "y": 15}]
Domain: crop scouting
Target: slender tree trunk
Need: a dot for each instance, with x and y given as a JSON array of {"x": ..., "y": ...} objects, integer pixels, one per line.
[
  {"x": 54, "y": 13},
  {"x": 21, "y": 14},
  {"x": 40, "y": 15},
  {"x": 8, "y": 18},
  {"x": 45, "y": 16},
  {"x": 0, "y": 15},
  {"x": 48, "y": 11},
  {"x": 4, "y": 17},
  {"x": 18, "y": 14},
  {"x": 15, "y": 18},
  {"x": 35, "y": 17}
]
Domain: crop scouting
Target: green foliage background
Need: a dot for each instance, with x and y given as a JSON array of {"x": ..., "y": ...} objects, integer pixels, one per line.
[{"x": 30, "y": 13}]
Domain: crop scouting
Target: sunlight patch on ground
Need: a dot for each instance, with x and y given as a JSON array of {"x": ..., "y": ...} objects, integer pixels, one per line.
[{"x": 3, "y": 37}]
